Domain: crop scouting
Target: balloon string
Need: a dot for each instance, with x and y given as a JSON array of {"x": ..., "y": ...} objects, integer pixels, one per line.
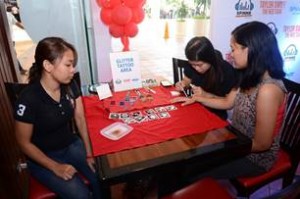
[{"x": 125, "y": 42}]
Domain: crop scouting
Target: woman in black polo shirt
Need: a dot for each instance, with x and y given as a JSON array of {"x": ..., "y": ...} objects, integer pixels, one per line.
[
  {"x": 207, "y": 73},
  {"x": 43, "y": 115}
]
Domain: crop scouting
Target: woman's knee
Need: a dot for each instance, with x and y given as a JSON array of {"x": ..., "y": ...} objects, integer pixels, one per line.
[{"x": 75, "y": 189}]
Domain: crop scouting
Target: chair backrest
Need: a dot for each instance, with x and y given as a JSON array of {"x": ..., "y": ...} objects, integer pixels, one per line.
[
  {"x": 290, "y": 135},
  {"x": 290, "y": 132},
  {"x": 77, "y": 79},
  {"x": 13, "y": 91},
  {"x": 178, "y": 68}
]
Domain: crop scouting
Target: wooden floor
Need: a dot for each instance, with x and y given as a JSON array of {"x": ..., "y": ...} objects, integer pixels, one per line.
[{"x": 156, "y": 54}]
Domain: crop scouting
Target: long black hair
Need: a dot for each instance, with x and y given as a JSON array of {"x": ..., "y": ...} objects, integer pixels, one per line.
[
  {"x": 263, "y": 53},
  {"x": 51, "y": 49},
  {"x": 201, "y": 49}
]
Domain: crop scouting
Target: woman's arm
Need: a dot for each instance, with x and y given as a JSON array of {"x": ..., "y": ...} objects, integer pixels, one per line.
[
  {"x": 198, "y": 91},
  {"x": 270, "y": 98},
  {"x": 83, "y": 131},
  {"x": 23, "y": 136},
  {"x": 223, "y": 103}
]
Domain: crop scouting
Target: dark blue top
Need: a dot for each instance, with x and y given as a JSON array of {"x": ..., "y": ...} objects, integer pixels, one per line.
[{"x": 51, "y": 119}]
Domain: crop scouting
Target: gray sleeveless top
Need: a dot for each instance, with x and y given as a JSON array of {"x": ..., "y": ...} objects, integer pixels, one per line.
[{"x": 243, "y": 119}]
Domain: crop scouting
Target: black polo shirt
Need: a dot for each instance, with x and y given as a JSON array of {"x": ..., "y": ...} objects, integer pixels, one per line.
[{"x": 50, "y": 119}]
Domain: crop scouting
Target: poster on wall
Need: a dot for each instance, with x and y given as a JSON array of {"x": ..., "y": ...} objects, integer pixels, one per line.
[
  {"x": 126, "y": 72},
  {"x": 282, "y": 16}
]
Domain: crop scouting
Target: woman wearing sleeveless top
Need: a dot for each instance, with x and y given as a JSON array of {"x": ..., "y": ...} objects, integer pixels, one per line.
[{"x": 258, "y": 103}]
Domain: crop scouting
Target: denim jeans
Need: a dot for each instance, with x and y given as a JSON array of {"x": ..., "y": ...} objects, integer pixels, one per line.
[{"x": 75, "y": 155}]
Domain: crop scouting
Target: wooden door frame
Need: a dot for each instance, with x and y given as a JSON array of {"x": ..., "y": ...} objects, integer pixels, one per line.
[{"x": 12, "y": 182}]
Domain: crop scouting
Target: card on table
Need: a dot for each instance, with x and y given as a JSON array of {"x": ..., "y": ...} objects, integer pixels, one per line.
[
  {"x": 124, "y": 115},
  {"x": 171, "y": 108},
  {"x": 114, "y": 116},
  {"x": 129, "y": 120},
  {"x": 164, "y": 115},
  {"x": 160, "y": 109},
  {"x": 136, "y": 113},
  {"x": 152, "y": 116},
  {"x": 150, "y": 111},
  {"x": 141, "y": 118}
]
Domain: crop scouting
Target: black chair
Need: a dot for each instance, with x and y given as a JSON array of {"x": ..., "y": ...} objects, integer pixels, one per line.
[
  {"x": 178, "y": 68},
  {"x": 288, "y": 160},
  {"x": 13, "y": 91},
  {"x": 36, "y": 189},
  {"x": 178, "y": 72}
]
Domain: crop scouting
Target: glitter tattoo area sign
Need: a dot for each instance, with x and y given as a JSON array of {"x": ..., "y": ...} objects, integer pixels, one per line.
[{"x": 126, "y": 72}]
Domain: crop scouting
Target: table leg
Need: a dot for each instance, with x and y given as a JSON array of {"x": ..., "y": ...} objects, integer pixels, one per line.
[{"x": 105, "y": 191}]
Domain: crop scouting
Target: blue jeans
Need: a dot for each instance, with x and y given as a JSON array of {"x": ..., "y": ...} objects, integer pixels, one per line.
[{"x": 75, "y": 155}]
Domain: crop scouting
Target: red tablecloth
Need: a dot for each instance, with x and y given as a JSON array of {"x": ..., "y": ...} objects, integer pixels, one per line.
[
  {"x": 184, "y": 121},
  {"x": 157, "y": 96}
]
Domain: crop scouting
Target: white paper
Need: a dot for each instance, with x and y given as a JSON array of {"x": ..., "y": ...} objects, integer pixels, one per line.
[{"x": 103, "y": 91}]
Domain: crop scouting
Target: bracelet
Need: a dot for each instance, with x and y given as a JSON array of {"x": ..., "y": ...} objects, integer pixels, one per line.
[{"x": 89, "y": 156}]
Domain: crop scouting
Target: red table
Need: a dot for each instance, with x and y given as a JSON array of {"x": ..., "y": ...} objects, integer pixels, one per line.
[
  {"x": 183, "y": 121},
  {"x": 161, "y": 146}
]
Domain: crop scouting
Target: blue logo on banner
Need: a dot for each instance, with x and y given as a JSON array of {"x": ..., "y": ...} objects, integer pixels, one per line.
[
  {"x": 243, "y": 8},
  {"x": 273, "y": 27},
  {"x": 290, "y": 53},
  {"x": 295, "y": 10},
  {"x": 118, "y": 81}
]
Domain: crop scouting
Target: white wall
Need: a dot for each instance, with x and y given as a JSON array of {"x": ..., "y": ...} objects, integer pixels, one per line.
[
  {"x": 284, "y": 15},
  {"x": 58, "y": 18}
]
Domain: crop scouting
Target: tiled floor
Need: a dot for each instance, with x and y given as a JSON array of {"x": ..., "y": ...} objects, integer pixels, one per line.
[{"x": 156, "y": 54}]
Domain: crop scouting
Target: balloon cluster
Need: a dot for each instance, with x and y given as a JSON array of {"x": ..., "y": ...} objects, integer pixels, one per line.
[{"x": 122, "y": 17}]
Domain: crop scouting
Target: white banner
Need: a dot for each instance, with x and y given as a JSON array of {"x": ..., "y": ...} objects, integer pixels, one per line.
[{"x": 283, "y": 16}]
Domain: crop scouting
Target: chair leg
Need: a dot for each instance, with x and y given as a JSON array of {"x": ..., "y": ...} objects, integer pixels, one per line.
[
  {"x": 241, "y": 191},
  {"x": 288, "y": 179}
]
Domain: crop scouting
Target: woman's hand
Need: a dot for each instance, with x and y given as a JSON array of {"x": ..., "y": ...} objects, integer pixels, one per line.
[
  {"x": 179, "y": 86},
  {"x": 65, "y": 171},
  {"x": 185, "y": 100},
  {"x": 197, "y": 90},
  {"x": 91, "y": 163}
]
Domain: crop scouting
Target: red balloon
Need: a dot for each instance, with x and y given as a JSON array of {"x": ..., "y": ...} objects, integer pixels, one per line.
[
  {"x": 134, "y": 3},
  {"x": 130, "y": 29},
  {"x": 121, "y": 14},
  {"x": 108, "y": 3},
  {"x": 105, "y": 16},
  {"x": 116, "y": 30},
  {"x": 138, "y": 15}
]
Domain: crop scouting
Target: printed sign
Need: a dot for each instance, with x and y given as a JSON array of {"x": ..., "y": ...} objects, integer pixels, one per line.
[{"x": 126, "y": 72}]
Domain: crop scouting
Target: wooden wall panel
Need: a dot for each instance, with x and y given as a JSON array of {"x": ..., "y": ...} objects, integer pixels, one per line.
[{"x": 11, "y": 181}]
